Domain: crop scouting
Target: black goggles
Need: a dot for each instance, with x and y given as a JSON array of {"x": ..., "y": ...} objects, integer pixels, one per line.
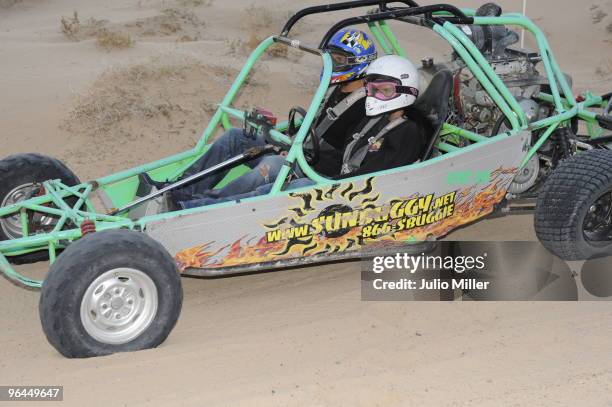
[{"x": 342, "y": 61}]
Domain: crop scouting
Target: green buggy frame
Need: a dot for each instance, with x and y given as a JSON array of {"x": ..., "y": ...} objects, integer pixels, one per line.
[{"x": 114, "y": 286}]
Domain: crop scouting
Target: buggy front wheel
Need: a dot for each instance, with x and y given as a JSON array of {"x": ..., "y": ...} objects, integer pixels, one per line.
[{"x": 113, "y": 291}]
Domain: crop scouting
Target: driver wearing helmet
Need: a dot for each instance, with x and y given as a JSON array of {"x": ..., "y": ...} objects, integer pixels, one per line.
[{"x": 351, "y": 52}]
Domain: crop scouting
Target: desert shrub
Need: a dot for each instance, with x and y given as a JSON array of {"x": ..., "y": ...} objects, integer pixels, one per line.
[
  {"x": 73, "y": 28},
  {"x": 179, "y": 22},
  {"x": 169, "y": 22},
  {"x": 108, "y": 39},
  {"x": 260, "y": 23}
]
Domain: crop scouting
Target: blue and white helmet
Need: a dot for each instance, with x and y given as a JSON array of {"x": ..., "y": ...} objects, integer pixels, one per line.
[{"x": 351, "y": 51}]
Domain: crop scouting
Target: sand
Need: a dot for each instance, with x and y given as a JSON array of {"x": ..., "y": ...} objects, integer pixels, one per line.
[{"x": 296, "y": 337}]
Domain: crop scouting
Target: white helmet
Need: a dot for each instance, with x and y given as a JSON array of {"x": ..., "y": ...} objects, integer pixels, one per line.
[{"x": 392, "y": 83}]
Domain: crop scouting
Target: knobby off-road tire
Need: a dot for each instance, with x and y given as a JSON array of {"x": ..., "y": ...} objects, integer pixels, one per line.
[
  {"x": 577, "y": 194},
  {"x": 112, "y": 291},
  {"x": 18, "y": 173}
]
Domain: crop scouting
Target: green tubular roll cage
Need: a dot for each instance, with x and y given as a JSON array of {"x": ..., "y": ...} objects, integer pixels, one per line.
[{"x": 121, "y": 187}]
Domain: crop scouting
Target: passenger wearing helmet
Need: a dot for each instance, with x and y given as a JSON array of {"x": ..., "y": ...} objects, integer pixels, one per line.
[
  {"x": 351, "y": 51},
  {"x": 392, "y": 134}
]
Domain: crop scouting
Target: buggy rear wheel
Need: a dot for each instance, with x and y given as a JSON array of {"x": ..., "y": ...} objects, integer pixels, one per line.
[
  {"x": 21, "y": 177},
  {"x": 112, "y": 291},
  {"x": 573, "y": 216}
]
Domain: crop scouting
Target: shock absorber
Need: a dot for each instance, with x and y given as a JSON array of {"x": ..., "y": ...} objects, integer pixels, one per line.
[
  {"x": 88, "y": 226},
  {"x": 563, "y": 147}
]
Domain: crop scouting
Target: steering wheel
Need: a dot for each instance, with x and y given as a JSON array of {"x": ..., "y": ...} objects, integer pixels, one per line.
[{"x": 311, "y": 146}]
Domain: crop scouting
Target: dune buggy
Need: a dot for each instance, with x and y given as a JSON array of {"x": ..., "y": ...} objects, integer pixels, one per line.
[{"x": 116, "y": 249}]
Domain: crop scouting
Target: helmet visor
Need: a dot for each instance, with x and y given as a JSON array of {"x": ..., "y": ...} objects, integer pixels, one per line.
[
  {"x": 343, "y": 61},
  {"x": 340, "y": 60}
]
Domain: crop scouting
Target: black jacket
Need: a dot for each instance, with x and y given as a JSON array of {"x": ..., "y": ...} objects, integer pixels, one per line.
[
  {"x": 335, "y": 136},
  {"x": 401, "y": 146}
]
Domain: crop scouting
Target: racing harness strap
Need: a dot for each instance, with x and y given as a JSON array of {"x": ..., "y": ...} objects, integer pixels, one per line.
[
  {"x": 353, "y": 160},
  {"x": 332, "y": 113}
]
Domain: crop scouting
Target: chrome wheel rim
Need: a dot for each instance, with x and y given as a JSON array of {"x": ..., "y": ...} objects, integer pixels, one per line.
[
  {"x": 11, "y": 225},
  {"x": 119, "y": 305}
]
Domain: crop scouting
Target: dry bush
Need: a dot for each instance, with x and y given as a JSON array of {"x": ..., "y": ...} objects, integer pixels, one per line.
[
  {"x": 149, "y": 94},
  {"x": 275, "y": 50},
  {"x": 262, "y": 22},
  {"x": 108, "y": 39},
  {"x": 142, "y": 112},
  {"x": 170, "y": 21},
  {"x": 72, "y": 27}
]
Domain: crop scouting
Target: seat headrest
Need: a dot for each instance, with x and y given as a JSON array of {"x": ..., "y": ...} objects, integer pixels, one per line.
[{"x": 434, "y": 102}]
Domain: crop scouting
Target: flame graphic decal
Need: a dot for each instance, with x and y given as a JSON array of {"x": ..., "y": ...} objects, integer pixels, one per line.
[{"x": 471, "y": 203}]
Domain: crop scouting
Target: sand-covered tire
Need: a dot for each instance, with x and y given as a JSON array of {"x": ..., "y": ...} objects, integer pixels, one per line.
[
  {"x": 112, "y": 291},
  {"x": 573, "y": 216},
  {"x": 18, "y": 176}
]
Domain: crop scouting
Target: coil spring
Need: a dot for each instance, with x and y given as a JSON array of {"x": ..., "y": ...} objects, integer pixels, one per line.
[{"x": 88, "y": 226}]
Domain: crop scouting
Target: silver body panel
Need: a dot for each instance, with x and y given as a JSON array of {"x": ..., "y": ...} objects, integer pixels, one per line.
[{"x": 372, "y": 213}]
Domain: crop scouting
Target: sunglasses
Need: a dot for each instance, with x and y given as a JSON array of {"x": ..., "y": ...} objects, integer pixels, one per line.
[{"x": 387, "y": 90}]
